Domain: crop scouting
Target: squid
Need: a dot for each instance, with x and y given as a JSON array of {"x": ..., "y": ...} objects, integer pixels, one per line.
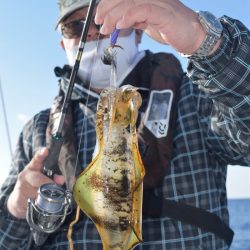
[{"x": 109, "y": 191}]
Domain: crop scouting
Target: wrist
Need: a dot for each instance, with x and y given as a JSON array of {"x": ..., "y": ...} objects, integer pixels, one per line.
[
  {"x": 217, "y": 45},
  {"x": 212, "y": 32},
  {"x": 197, "y": 37},
  {"x": 190, "y": 35}
]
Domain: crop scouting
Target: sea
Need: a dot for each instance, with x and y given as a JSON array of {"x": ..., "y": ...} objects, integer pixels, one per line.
[{"x": 239, "y": 210}]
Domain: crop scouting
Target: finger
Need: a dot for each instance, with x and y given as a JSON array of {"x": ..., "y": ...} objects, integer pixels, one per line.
[
  {"x": 37, "y": 161},
  {"x": 150, "y": 31},
  {"x": 35, "y": 179},
  {"x": 104, "y": 7},
  {"x": 125, "y": 16},
  {"x": 149, "y": 14},
  {"x": 140, "y": 26},
  {"x": 59, "y": 179},
  {"x": 110, "y": 12}
]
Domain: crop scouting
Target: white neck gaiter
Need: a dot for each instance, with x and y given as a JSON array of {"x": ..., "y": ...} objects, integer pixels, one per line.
[{"x": 93, "y": 70}]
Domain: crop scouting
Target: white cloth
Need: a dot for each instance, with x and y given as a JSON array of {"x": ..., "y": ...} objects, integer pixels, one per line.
[{"x": 93, "y": 70}]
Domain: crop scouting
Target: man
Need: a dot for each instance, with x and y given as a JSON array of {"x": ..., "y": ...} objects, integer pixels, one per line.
[{"x": 185, "y": 151}]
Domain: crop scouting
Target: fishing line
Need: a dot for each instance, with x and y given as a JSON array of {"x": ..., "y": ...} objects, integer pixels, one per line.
[
  {"x": 85, "y": 112},
  {"x": 5, "y": 119},
  {"x": 109, "y": 58}
]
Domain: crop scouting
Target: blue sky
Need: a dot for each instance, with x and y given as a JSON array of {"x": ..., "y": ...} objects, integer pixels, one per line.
[{"x": 29, "y": 51}]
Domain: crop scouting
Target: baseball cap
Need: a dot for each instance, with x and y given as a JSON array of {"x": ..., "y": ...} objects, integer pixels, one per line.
[{"x": 67, "y": 7}]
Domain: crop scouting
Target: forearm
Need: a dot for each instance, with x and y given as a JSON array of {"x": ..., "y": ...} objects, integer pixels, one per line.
[
  {"x": 225, "y": 77},
  {"x": 231, "y": 56},
  {"x": 14, "y": 232}
]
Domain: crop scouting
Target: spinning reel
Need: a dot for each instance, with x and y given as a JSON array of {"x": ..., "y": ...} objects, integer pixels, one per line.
[{"x": 48, "y": 212}]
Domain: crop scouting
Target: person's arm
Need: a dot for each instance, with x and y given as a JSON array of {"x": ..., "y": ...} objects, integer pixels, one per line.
[
  {"x": 24, "y": 179},
  {"x": 168, "y": 22},
  {"x": 225, "y": 77},
  {"x": 14, "y": 232}
]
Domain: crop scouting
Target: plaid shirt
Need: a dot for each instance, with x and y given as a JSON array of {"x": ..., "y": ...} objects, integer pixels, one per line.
[{"x": 212, "y": 131}]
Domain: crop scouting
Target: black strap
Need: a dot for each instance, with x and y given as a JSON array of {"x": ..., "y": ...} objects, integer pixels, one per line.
[{"x": 157, "y": 207}]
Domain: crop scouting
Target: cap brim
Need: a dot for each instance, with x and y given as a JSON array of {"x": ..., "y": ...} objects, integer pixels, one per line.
[{"x": 70, "y": 11}]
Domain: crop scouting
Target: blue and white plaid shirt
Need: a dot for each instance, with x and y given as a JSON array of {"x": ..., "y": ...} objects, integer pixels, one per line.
[{"x": 212, "y": 131}]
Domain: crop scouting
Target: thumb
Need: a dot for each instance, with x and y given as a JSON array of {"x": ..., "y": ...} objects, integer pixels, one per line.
[{"x": 37, "y": 161}]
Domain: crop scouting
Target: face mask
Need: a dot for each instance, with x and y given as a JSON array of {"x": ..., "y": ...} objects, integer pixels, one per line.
[{"x": 93, "y": 70}]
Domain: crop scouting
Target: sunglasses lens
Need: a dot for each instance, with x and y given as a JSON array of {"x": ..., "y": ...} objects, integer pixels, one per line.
[{"x": 73, "y": 29}]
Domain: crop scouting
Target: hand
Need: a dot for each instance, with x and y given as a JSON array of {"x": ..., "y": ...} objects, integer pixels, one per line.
[
  {"x": 28, "y": 182},
  {"x": 169, "y": 21}
]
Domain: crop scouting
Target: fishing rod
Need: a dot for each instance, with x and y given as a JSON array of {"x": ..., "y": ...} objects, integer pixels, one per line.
[
  {"x": 48, "y": 212},
  {"x": 57, "y": 139}
]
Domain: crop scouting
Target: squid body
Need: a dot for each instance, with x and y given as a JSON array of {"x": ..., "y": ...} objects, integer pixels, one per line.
[{"x": 109, "y": 190}]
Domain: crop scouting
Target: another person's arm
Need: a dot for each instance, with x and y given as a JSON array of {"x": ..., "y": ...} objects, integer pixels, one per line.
[{"x": 24, "y": 178}]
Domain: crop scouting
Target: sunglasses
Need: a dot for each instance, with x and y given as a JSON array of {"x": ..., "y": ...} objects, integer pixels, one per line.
[{"x": 74, "y": 29}]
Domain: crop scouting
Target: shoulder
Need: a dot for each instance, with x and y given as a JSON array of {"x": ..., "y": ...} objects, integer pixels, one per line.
[
  {"x": 166, "y": 61},
  {"x": 36, "y": 126},
  {"x": 32, "y": 136},
  {"x": 38, "y": 119}
]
